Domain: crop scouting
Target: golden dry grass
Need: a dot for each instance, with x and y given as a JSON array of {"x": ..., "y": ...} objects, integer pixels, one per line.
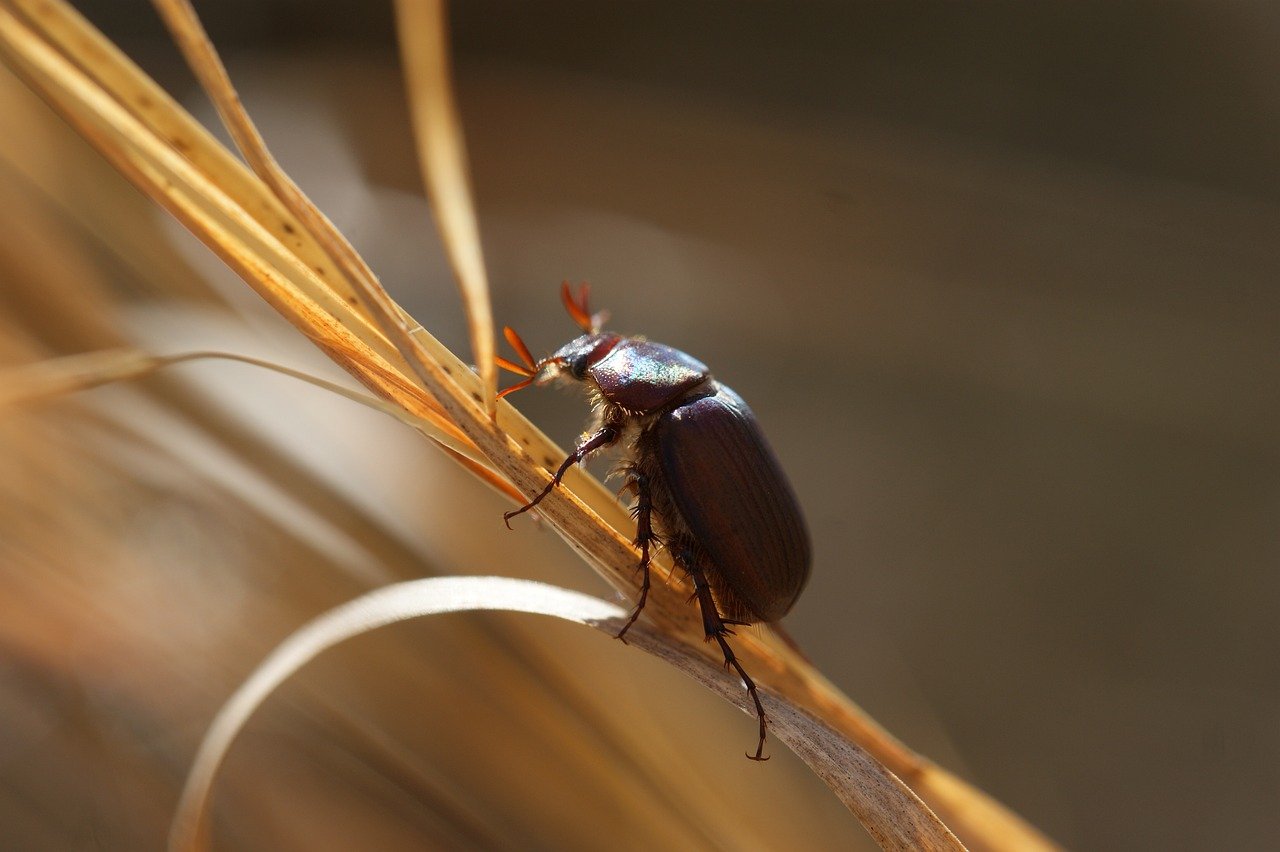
[{"x": 262, "y": 226}]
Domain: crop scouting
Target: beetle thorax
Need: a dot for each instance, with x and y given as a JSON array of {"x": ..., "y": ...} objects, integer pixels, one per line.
[{"x": 641, "y": 377}]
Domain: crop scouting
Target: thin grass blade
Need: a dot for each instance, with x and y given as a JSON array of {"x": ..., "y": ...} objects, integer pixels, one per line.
[
  {"x": 887, "y": 808},
  {"x": 442, "y": 155}
]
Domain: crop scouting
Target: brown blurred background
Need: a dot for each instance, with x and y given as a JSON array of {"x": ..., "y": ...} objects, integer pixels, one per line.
[{"x": 998, "y": 280}]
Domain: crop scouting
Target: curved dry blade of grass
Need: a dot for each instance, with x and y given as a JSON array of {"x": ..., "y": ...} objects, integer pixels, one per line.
[
  {"x": 70, "y": 34},
  {"x": 60, "y": 376},
  {"x": 442, "y": 155},
  {"x": 461, "y": 237},
  {"x": 295, "y": 290},
  {"x": 110, "y": 102},
  {"x": 886, "y": 807},
  {"x": 191, "y": 39}
]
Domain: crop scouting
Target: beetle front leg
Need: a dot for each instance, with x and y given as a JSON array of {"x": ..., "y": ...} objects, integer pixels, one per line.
[
  {"x": 644, "y": 537},
  {"x": 716, "y": 629},
  {"x": 605, "y": 437}
]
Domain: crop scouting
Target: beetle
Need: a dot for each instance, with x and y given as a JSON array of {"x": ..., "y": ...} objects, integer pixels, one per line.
[{"x": 708, "y": 488}]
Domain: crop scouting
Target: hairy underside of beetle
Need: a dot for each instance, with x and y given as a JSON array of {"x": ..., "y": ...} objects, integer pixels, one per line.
[{"x": 640, "y": 463}]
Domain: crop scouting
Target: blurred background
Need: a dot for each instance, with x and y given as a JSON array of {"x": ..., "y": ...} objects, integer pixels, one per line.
[{"x": 998, "y": 280}]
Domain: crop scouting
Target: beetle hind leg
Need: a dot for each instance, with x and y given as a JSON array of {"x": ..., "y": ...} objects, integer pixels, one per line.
[
  {"x": 717, "y": 628},
  {"x": 644, "y": 539}
]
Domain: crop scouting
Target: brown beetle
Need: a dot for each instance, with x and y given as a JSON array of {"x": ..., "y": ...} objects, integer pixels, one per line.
[{"x": 708, "y": 487}]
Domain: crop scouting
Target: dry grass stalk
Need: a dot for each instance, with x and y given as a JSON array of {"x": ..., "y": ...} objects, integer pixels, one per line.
[
  {"x": 895, "y": 818},
  {"x": 424, "y": 48},
  {"x": 265, "y": 229}
]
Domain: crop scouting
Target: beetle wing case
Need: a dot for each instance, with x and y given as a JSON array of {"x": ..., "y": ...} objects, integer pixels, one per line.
[{"x": 731, "y": 492}]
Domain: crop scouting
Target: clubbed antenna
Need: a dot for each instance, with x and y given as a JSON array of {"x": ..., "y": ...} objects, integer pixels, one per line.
[
  {"x": 579, "y": 307},
  {"x": 528, "y": 368}
]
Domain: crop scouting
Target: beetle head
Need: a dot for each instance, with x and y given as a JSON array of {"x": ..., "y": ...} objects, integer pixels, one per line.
[
  {"x": 570, "y": 360},
  {"x": 577, "y": 355}
]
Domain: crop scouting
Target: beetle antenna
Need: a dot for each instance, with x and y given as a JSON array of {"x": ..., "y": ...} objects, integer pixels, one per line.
[
  {"x": 598, "y": 320},
  {"x": 577, "y": 306},
  {"x": 526, "y": 356},
  {"x": 595, "y": 321},
  {"x": 517, "y": 386},
  {"x": 512, "y": 366},
  {"x": 529, "y": 367}
]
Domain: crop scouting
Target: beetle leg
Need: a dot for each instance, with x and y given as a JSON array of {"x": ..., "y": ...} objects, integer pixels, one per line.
[
  {"x": 606, "y": 436},
  {"x": 715, "y": 628},
  {"x": 644, "y": 537}
]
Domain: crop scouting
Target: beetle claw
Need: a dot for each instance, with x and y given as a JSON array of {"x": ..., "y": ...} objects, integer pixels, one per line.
[{"x": 635, "y": 614}]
